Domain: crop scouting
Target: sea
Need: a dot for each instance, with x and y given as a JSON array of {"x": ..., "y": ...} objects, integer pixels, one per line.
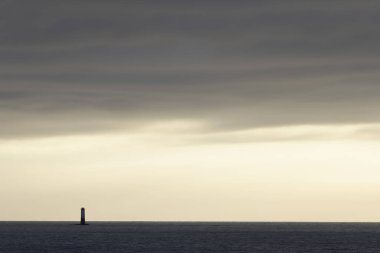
[{"x": 188, "y": 237}]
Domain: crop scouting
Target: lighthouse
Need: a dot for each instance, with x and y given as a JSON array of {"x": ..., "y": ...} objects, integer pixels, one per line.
[{"x": 82, "y": 216}]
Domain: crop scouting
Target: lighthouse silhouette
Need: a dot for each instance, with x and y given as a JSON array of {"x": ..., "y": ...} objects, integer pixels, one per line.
[{"x": 82, "y": 216}]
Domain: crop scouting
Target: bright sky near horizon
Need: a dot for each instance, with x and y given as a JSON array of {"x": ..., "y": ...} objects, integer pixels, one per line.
[
  {"x": 154, "y": 174},
  {"x": 190, "y": 110}
]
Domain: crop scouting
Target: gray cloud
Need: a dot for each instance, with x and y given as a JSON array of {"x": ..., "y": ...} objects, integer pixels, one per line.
[{"x": 69, "y": 67}]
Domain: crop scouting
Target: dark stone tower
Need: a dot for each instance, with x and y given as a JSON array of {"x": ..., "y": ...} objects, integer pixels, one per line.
[{"x": 82, "y": 216}]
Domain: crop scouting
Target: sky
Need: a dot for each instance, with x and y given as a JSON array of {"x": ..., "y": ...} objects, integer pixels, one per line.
[{"x": 190, "y": 110}]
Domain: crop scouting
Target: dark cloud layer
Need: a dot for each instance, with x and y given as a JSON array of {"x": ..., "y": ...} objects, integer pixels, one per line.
[{"x": 68, "y": 67}]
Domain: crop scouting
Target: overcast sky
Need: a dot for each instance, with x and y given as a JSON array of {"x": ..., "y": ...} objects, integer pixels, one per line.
[
  {"x": 207, "y": 76},
  {"x": 73, "y": 66}
]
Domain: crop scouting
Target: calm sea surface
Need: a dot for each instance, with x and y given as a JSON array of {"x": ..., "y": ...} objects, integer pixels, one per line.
[{"x": 189, "y": 237}]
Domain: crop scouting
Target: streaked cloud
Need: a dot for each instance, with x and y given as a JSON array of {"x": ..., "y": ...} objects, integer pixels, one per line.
[{"x": 69, "y": 67}]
